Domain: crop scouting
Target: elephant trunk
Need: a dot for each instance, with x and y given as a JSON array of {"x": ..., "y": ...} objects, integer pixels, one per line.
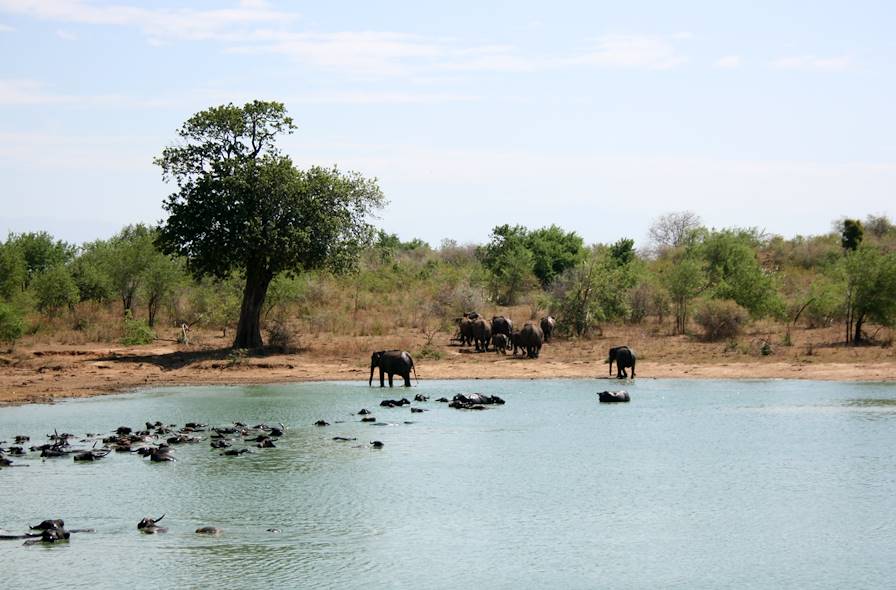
[
  {"x": 370, "y": 381},
  {"x": 611, "y": 366}
]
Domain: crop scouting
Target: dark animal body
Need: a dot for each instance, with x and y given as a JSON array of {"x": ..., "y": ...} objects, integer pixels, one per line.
[
  {"x": 609, "y": 397},
  {"x": 624, "y": 357},
  {"x": 530, "y": 339},
  {"x": 474, "y": 401},
  {"x": 392, "y": 362},
  {"x": 501, "y": 343},
  {"x": 482, "y": 334},
  {"x": 502, "y": 325},
  {"x": 547, "y": 327}
]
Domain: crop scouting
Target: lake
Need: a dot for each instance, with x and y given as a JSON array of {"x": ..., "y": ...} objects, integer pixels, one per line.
[{"x": 694, "y": 484}]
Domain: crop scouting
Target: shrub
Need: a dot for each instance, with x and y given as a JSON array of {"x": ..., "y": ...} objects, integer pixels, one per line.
[
  {"x": 720, "y": 319},
  {"x": 11, "y": 325},
  {"x": 136, "y": 332},
  {"x": 54, "y": 289},
  {"x": 281, "y": 337}
]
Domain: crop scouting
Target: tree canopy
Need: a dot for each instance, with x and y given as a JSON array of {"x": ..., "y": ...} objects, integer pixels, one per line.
[{"x": 243, "y": 206}]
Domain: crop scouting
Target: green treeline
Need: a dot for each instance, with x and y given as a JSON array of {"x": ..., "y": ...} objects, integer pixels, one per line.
[{"x": 689, "y": 278}]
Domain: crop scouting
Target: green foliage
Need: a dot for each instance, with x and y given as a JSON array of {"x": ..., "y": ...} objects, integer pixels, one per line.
[
  {"x": 124, "y": 259},
  {"x": 553, "y": 251},
  {"x": 11, "y": 324},
  {"x": 825, "y": 302},
  {"x": 40, "y": 251},
  {"x": 161, "y": 278},
  {"x": 720, "y": 319},
  {"x": 13, "y": 270},
  {"x": 871, "y": 289},
  {"x": 623, "y": 251},
  {"x": 516, "y": 257},
  {"x": 242, "y": 206},
  {"x": 136, "y": 331},
  {"x": 734, "y": 272},
  {"x": 851, "y": 234},
  {"x": 94, "y": 284},
  {"x": 284, "y": 292},
  {"x": 684, "y": 279},
  {"x": 215, "y": 303},
  {"x": 592, "y": 292},
  {"x": 54, "y": 289}
]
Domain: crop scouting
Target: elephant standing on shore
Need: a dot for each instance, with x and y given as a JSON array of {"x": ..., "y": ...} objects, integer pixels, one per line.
[
  {"x": 624, "y": 357},
  {"x": 547, "y": 326},
  {"x": 482, "y": 334},
  {"x": 530, "y": 338},
  {"x": 392, "y": 362}
]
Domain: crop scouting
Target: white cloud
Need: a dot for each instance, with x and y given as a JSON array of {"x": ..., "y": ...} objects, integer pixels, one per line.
[
  {"x": 812, "y": 62},
  {"x": 66, "y": 35},
  {"x": 632, "y": 51},
  {"x": 253, "y": 27},
  {"x": 729, "y": 62},
  {"x": 185, "y": 24},
  {"x": 6, "y": 28}
]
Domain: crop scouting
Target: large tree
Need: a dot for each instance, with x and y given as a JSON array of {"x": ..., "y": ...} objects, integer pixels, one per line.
[{"x": 242, "y": 205}]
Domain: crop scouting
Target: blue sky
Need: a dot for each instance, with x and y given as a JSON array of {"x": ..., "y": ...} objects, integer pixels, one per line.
[{"x": 597, "y": 116}]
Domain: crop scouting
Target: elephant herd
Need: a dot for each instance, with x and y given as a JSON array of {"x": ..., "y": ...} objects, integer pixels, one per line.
[{"x": 499, "y": 333}]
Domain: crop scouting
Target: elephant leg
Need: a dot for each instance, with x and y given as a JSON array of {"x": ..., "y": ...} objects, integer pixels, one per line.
[
  {"x": 390, "y": 379},
  {"x": 407, "y": 379},
  {"x": 382, "y": 375}
]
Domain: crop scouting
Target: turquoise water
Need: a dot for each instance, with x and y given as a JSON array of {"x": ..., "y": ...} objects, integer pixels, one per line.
[{"x": 694, "y": 484}]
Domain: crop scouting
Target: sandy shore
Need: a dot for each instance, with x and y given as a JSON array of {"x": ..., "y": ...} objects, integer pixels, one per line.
[{"x": 42, "y": 374}]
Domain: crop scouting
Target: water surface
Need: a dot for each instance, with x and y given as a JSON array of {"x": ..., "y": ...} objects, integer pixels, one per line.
[{"x": 694, "y": 484}]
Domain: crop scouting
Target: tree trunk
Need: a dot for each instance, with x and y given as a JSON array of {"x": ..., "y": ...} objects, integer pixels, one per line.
[
  {"x": 248, "y": 331},
  {"x": 857, "y": 338},
  {"x": 152, "y": 309}
]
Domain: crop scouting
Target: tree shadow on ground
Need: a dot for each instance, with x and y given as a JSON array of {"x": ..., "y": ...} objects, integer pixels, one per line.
[{"x": 178, "y": 360}]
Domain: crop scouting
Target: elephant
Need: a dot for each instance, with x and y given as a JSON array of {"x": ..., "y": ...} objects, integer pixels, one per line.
[
  {"x": 500, "y": 342},
  {"x": 502, "y": 325},
  {"x": 465, "y": 327},
  {"x": 482, "y": 334},
  {"x": 392, "y": 362},
  {"x": 624, "y": 357},
  {"x": 607, "y": 397},
  {"x": 547, "y": 326},
  {"x": 530, "y": 338}
]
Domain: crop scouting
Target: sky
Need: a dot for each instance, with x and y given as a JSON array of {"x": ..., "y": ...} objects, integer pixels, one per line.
[{"x": 595, "y": 116}]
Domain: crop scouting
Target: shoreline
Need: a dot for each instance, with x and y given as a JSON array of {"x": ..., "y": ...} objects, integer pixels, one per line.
[{"x": 53, "y": 374}]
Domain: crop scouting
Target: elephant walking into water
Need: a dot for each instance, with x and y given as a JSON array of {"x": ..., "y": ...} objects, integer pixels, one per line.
[
  {"x": 392, "y": 362},
  {"x": 624, "y": 357}
]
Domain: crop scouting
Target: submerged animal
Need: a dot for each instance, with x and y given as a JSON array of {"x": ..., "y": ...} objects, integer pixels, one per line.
[
  {"x": 609, "y": 397},
  {"x": 149, "y": 525}
]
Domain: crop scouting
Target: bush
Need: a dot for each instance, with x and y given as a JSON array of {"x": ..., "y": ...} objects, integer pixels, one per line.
[
  {"x": 11, "y": 325},
  {"x": 281, "y": 337},
  {"x": 54, "y": 289},
  {"x": 721, "y": 319},
  {"x": 136, "y": 332}
]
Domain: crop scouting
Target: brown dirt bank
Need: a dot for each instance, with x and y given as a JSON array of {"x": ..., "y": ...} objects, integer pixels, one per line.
[{"x": 40, "y": 373}]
